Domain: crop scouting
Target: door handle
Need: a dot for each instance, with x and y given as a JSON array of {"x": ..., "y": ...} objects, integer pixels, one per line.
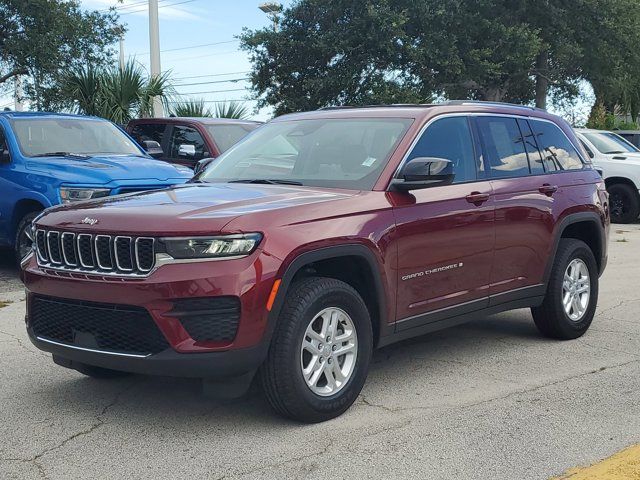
[
  {"x": 477, "y": 198},
  {"x": 548, "y": 189}
]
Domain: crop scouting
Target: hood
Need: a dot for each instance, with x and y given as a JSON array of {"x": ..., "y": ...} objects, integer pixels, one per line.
[
  {"x": 107, "y": 168},
  {"x": 194, "y": 209}
]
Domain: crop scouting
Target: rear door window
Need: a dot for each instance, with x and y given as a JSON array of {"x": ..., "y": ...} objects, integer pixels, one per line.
[
  {"x": 503, "y": 146},
  {"x": 558, "y": 153},
  {"x": 533, "y": 153}
]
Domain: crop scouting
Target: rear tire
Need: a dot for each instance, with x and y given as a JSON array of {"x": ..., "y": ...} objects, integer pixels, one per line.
[
  {"x": 320, "y": 319},
  {"x": 624, "y": 203},
  {"x": 572, "y": 293}
]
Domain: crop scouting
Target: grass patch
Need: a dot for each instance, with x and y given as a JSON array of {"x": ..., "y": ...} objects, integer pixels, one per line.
[
  {"x": 4, "y": 303},
  {"x": 622, "y": 240}
]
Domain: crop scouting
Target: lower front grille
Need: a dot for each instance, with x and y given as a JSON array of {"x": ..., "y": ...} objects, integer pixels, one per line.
[
  {"x": 213, "y": 319},
  {"x": 97, "y": 326}
]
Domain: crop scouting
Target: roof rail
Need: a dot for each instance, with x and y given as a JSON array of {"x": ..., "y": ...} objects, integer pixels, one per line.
[{"x": 430, "y": 105}]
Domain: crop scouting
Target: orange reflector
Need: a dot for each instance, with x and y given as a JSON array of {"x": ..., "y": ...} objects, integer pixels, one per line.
[{"x": 272, "y": 295}]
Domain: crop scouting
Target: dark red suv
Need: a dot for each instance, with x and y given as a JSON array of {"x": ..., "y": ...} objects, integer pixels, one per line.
[{"x": 318, "y": 238}]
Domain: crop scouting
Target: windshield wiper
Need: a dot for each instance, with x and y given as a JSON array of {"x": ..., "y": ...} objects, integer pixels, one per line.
[
  {"x": 60, "y": 154},
  {"x": 266, "y": 181}
]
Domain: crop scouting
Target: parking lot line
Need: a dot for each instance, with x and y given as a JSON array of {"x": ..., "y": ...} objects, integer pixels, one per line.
[{"x": 624, "y": 465}]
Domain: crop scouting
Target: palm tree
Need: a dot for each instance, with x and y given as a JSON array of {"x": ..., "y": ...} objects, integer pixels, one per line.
[
  {"x": 116, "y": 94},
  {"x": 232, "y": 109},
  {"x": 191, "y": 108}
]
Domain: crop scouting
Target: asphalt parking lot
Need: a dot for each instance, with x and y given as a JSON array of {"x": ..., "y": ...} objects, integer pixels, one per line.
[{"x": 491, "y": 399}]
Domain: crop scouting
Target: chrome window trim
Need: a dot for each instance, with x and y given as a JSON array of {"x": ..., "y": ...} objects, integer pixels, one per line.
[
  {"x": 482, "y": 114},
  {"x": 115, "y": 253},
  {"x": 153, "y": 252},
  {"x": 73, "y": 244},
  {"x": 51, "y": 260},
  {"x": 92, "y": 350},
  {"x": 78, "y": 237},
  {"x": 95, "y": 246}
]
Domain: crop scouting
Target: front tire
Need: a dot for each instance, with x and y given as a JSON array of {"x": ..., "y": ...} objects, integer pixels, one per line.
[
  {"x": 23, "y": 242},
  {"x": 319, "y": 356},
  {"x": 572, "y": 293},
  {"x": 624, "y": 203}
]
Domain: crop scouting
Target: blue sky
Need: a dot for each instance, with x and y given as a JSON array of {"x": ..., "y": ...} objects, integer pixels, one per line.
[{"x": 197, "y": 42}]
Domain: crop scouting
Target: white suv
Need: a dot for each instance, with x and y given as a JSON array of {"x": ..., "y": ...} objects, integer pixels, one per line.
[{"x": 619, "y": 161}]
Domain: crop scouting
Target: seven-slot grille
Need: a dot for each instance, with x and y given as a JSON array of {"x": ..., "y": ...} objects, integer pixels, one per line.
[{"x": 102, "y": 254}]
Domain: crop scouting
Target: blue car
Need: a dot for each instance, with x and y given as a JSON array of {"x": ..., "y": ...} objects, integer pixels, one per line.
[{"x": 47, "y": 159}]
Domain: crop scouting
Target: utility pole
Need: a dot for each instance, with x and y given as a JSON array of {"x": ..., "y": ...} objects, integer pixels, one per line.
[
  {"x": 121, "y": 52},
  {"x": 272, "y": 9},
  {"x": 18, "y": 106},
  {"x": 154, "y": 44}
]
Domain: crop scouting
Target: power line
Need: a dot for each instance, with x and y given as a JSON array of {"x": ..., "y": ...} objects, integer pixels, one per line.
[
  {"x": 214, "y": 91},
  {"x": 187, "y": 48},
  {"x": 222, "y": 101},
  {"x": 213, "y": 75},
  {"x": 161, "y": 6},
  {"x": 231, "y": 80}
]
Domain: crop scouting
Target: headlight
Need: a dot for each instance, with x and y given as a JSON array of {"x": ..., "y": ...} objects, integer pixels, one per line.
[
  {"x": 212, "y": 247},
  {"x": 71, "y": 194}
]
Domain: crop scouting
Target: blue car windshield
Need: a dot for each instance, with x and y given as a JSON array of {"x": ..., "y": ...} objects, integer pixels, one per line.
[{"x": 40, "y": 137}]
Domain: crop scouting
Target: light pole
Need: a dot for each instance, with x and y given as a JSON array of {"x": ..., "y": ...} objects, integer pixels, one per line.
[
  {"x": 154, "y": 44},
  {"x": 272, "y": 9}
]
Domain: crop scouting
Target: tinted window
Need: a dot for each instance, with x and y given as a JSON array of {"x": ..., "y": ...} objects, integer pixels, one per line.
[
  {"x": 449, "y": 138},
  {"x": 186, "y": 136},
  {"x": 2, "y": 140},
  {"x": 226, "y": 136},
  {"x": 503, "y": 147},
  {"x": 340, "y": 153},
  {"x": 150, "y": 131},
  {"x": 557, "y": 151},
  {"x": 535, "y": 159}
]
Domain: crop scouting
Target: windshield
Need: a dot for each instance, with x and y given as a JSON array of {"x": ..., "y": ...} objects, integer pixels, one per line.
[
  {"x": 72, "y": 135},
  {"x": 610, "y": 143},
  {"x": 339, "y": 153},
  {"x": 226, "y": 136}
]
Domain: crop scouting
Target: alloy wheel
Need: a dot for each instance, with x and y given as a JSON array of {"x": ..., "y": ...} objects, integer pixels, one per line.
[
  {"x": 576, "y": 289},
  {"x": 329, "y": 351}
]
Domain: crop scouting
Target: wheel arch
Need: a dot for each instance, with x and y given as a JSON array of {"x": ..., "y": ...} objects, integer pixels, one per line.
[
  {"x": 624, "y": 180},
  {"x": 22, "y": 208},
  {"x": 355, "y": 264},
  {"x": 584, "y": 226}
]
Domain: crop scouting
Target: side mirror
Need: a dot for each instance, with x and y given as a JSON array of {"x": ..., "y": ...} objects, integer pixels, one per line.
[
  {"x": 186, "y": 150},
  {"x": 424, "y": 172},
  {"x": 153, "y": 148},
  {"x": 5, "y": 157},
  {"x": 202, "y": 165}
]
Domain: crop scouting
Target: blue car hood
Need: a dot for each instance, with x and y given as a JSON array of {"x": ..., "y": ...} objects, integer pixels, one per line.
[{"x": 108, "y": 168}]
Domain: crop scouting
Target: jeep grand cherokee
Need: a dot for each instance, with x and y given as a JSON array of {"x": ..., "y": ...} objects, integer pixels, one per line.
[{"x": 320, "y": 237}]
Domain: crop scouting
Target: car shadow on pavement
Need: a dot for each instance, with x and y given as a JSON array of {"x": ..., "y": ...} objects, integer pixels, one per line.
[{"x": 135, "y": 401}]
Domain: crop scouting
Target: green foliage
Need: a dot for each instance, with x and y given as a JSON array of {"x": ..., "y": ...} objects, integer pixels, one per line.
[
  {"x": 231, "y": 109},
  {"x": 118, "y": 95},
  {"x": 601, "y": 119},
  {"x": 191, "y": 108},
  {"x": 394, "y": 51},
  {"x": 40, "y": 40}
]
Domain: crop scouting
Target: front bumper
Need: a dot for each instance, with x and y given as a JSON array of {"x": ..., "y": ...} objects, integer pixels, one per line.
[
  {"x": 250, "y": 279},
  {"x": 213, "y": 365}
]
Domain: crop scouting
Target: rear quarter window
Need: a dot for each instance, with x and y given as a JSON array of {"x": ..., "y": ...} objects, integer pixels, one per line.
[{"x": 558, "y": 153}]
